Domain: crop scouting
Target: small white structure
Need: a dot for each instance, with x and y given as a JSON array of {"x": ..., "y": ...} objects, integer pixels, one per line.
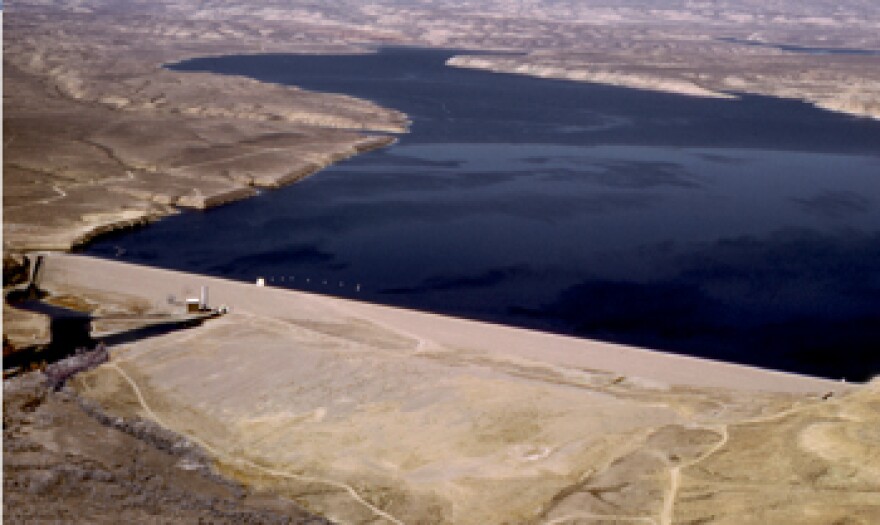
[
  {"x": 203, "y": 298},
  {"x": 261, "y": 281},
  {"x": 198, "y": 304}
]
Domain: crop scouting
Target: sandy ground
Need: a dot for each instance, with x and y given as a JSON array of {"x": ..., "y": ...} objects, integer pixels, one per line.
[{"x": 363, "y": 413}]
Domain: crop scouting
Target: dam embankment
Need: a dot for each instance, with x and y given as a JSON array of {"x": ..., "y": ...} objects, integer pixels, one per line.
[
  {"x": 152, "y": 288},
  {"x": 361, "y": 412}
]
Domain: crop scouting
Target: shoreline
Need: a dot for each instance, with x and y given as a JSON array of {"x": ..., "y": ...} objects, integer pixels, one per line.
[
  {"x": 184, "y": 205},
  {"x": 371, "y": 143},
  {"x": 606, "y": 78},
  {"x": 657, "y": 84}
]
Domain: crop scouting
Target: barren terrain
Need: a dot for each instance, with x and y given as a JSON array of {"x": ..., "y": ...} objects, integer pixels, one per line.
[
  {"x": 363, "y": 414},
  {"x": 98, "y": 136},
  {"x": 64, "y": 460}
]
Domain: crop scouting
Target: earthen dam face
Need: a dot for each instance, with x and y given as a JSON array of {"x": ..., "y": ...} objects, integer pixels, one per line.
[{"x": 369, "y": 414}]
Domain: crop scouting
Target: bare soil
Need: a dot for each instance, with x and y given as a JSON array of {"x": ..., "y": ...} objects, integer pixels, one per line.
[{"x": 64, "y": 461}]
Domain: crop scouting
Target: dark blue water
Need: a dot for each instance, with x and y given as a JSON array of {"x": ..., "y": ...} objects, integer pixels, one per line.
[{"x": 745, "y": 230}]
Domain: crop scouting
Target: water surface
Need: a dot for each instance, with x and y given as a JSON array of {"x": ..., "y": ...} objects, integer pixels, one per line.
[{"x": 744, "y": 230}]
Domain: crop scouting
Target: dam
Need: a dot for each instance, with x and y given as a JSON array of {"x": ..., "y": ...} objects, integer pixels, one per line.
[{"x": 362, "y": 412}]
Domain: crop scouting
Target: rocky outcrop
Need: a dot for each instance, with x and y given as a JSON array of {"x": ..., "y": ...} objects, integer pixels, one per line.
[{"x": 65, "y": 461}]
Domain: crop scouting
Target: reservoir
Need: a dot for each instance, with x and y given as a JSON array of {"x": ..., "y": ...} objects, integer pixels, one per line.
[{"x": 744, "y": 230}]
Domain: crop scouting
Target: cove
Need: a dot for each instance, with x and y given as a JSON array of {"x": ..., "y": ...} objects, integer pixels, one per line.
[{"x": 744, "y": 230}]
